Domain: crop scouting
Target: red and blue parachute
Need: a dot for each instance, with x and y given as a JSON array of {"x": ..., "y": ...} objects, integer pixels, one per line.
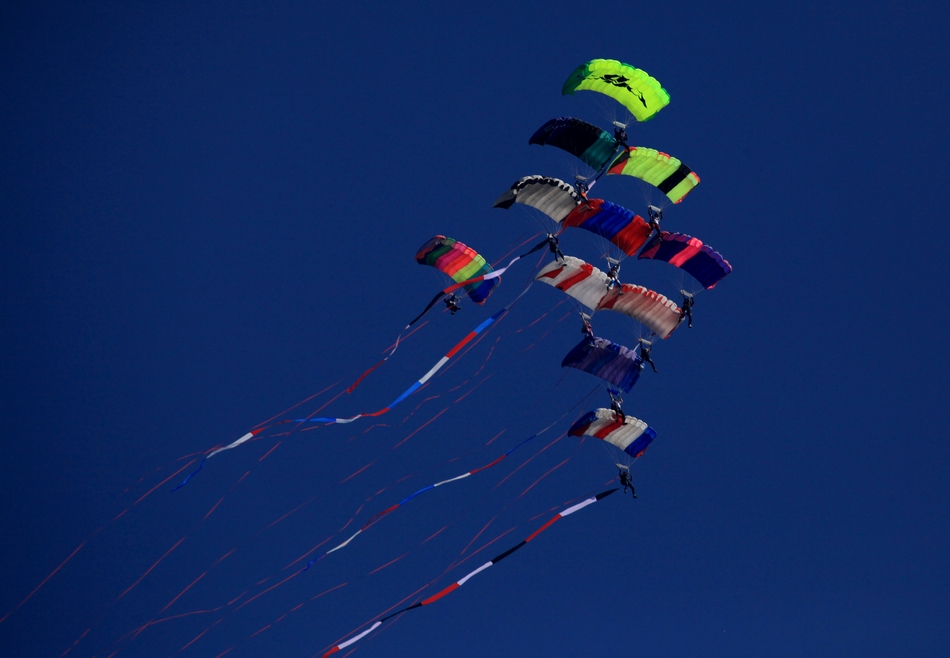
[
  {"x": 620, "y": 226},
  {"x": 625, "y": 432}
]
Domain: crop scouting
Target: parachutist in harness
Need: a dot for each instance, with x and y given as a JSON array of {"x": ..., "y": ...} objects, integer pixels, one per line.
[
  {"x": 452, "y": 303},
  {"x": 686, "y": 311},
  {"x": 615, "y": 402},
  {"x": 620, "y": 133},
  {"x": 626, "y": 481},
  {"x": 612, "y": 279},
  {"x": 645, "y": 349},
  {"x": 553, "y": 246},
  {"x": 656, "y": 215},
  {"x": 582, "y": 188},
  {"x": 587, "y": 329}
]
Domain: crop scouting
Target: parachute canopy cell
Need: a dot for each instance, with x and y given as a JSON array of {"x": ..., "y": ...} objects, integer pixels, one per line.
[
  {"x": 459, "y": 262},
  {"x": 611, "y": 362},
  {"x": 593, "y": 145},
  {"x": 552, "y": 196},
  {"x": 630, "y": 435},
  {"x": 689, "y": 254},
  {"x": 622, "y": 227},
  {"x": 672, "y": 177},
  {"x": 631, "y": 87}
]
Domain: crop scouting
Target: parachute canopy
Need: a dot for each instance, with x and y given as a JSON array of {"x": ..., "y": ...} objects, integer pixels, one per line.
[
  {"x": 611, "y": 362},
  {"x": 647, "y": 307},
  {"x": 595, "y": 146},
  {"x": 552, "y": 196},
  {"x": 588, "y": 285},
  {"x": 622, "y": 227},
  {"x": 672, "y": 177},
  {"x": 689, "y": 254},
  {"x": 459, "y": 262},
  {"x": 631, "y": 87},
  {"x": 630, "y": 435},
  {"x": 580, "y": 280}
]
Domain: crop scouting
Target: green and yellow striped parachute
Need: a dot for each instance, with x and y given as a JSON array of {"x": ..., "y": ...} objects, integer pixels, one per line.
[
  {"x": 671, "y": 176},
  {"x": 631, "y": 87}
]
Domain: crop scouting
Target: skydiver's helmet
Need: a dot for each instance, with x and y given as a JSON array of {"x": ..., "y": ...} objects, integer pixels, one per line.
[{"x": 655, "y": 213}]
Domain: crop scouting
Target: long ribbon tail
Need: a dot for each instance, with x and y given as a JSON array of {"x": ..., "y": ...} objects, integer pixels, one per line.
[
  {"x": 454, "y": 586},
  {"x": 393, "y": 508},
  {"x": 384, "y": 360},
  {"x": 432, "y": 371},
  {"x": 247, "y": 437},
  {"x": 484, "y": 277},
  {"x": 196, "y": 471}
]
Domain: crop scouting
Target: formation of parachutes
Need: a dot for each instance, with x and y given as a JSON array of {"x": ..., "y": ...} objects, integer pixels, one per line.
[
  {"x": 590, "y": 288},
  {"x": 569, "y": 206}
]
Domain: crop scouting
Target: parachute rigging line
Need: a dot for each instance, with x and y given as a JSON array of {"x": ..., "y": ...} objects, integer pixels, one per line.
[{"x": 454, "y": 586}]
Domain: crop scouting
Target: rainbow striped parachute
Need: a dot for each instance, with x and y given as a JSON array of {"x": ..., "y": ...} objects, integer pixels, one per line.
[{"x": 459, "y": 262}]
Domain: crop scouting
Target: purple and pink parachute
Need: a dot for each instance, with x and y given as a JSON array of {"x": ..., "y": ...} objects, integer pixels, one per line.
[{"x": 689, "y": 254}]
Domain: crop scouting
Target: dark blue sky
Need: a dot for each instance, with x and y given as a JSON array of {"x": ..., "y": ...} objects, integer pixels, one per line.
[{"x": 210, "y": 213}]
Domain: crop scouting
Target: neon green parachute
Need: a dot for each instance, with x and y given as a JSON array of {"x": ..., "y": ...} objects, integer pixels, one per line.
[
  {"x": 631, "y": 87},
  {"x": 671, "y": 176}
]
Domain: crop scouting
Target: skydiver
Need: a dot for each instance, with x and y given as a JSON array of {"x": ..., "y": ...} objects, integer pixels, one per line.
[
  {"x": 645, "y": 349},
  {"x": 656, "y": 215},
  {"x": 582, "y": 188},
  {"x": 612, "y": 279},
  {"x": 615, "y": 402},
  {"x": 587, "y": 329},
  {"x": 626, "y": 481},
  {"x": 620, "y": 133},
  {"x": 553, "y": 246},
  {"x": 686, "y": 310},
  {"x": 452, "y": 303}
]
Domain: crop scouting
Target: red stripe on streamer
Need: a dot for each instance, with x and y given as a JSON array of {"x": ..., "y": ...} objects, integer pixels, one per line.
[
  {"x": 542, "y": 528},
  {"x": 461, "y": 344},
  {"x": 439, "y": 595}
]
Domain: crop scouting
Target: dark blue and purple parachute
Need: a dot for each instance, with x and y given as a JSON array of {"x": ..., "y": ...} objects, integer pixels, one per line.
[
  {"x": 689, "y": 254},
  {"x": 611, "y": 362}
]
